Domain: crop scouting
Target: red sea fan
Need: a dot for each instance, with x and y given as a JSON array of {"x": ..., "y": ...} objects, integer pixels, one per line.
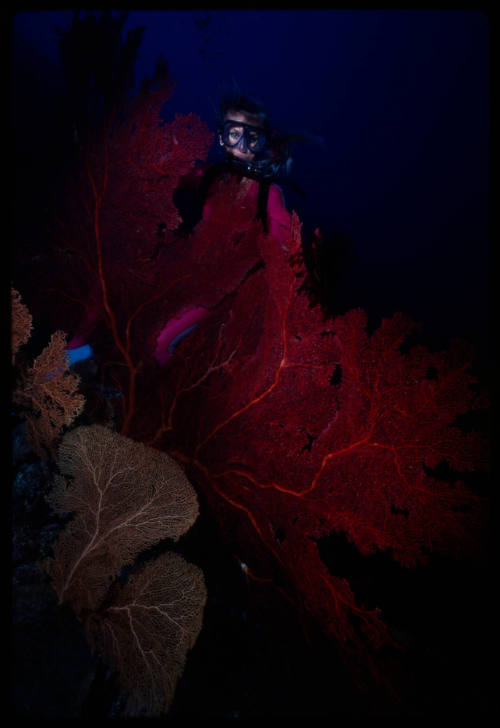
[
  {"x": 304, "y": 427},
  {"x": 119, "y": 195},
  {"x": 293, "y": 426},
  {"x": 114, "y": 260}
]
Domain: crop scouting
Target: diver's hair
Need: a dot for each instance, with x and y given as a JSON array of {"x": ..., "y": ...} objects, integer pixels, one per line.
[{"x": 233, "y": 99}]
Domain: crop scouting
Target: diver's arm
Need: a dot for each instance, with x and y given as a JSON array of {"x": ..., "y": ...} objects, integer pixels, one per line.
[
  {"x": 186, "y": 198},
  {"x": 78, "y": 347},
  {"x": 278, "y": 216},
  {"x": 191, "y": 180},
  {"x": 85, "y": 328}
]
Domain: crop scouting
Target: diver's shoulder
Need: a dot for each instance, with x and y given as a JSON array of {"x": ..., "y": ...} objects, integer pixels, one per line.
[{"x": 276, "y": 195}]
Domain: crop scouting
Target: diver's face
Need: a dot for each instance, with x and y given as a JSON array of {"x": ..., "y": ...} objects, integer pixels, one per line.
[{"x": 241, "y": 150}]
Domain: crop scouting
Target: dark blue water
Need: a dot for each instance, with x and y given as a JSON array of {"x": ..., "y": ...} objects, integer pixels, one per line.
[{"x": 401, "y": 101}]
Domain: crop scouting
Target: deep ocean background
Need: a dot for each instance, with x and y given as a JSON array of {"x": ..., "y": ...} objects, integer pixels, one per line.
[
  {"x": 401, "y": 103},
  {"x": 400, "y": 100}
]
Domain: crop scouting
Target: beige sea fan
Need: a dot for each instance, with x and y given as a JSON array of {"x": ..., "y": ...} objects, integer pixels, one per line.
[
  {"x": 125, "y": 497},
  {"x": 146, "y": 633}
]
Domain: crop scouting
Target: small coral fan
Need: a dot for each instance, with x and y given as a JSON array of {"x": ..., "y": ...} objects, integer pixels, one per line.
[
  {"x": 47, "y": 392},
  {"x": 21, "y": 323}
]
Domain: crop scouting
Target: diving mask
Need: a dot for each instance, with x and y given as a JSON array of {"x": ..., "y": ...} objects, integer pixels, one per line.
[{"x": 244, "y": 136}]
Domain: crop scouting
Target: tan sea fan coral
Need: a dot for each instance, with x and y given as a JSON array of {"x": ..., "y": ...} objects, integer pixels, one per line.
[
  {"x": 153, "y": 622},
  {"x": 125, "y": 498}
]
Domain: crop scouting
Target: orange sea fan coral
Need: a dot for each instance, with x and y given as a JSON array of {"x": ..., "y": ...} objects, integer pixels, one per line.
[
  {"x": 21, "y": 323},
  {"x": 48, "y": 393}
]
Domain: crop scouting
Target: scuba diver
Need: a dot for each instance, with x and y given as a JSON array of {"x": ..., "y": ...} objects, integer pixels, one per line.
[{"x": 255, "y": 154}]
